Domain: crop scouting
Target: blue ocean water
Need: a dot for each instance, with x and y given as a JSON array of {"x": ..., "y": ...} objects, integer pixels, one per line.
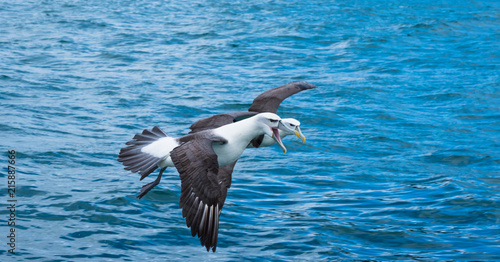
[{"x": 401, "y": 162}]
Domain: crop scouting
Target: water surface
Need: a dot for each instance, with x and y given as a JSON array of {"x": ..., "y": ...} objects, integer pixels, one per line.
[{"x": 402, "y": 154}]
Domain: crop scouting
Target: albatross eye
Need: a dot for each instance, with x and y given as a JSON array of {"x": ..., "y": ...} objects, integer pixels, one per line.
[{"x": 273, "y": 120}]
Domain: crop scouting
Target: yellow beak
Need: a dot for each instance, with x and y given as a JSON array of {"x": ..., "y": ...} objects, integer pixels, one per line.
[{"x": 299, "y": 134}]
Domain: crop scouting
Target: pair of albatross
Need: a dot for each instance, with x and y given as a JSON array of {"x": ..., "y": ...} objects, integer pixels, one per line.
[{"x": 205, "y": 158}]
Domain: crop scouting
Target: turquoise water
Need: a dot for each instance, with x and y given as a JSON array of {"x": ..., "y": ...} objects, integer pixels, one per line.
[{"x": 402, "y": 154}]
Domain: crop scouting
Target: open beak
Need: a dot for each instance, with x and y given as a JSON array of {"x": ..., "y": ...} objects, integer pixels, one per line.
[
  {"x": 299, "y": 134},
  {"x": 276, "y": 137}
]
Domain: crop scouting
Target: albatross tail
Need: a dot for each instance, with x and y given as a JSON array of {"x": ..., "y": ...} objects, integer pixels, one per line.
[{"x": 135, "y": 159}]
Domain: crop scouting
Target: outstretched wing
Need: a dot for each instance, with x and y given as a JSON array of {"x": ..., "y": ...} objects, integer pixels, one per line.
[
  {"x": 218, "y": 121},
  {"x": 270, "y": 100},
  {"x": 203, "y": 187},
  {"x": 134, "y": 159}
]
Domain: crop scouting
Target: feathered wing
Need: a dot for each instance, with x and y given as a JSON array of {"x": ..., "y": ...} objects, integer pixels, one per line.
[
  {"x": 216, "y": 121},
  {"x": 270, "y": 100},
  {"x": 203, "y": 187},
  {"x": 137, "y": 161}
]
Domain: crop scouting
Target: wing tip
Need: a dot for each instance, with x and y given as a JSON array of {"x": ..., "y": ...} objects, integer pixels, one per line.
[
  {"x": 303, "y": 85},
  {"x": 204, "y": 223}
]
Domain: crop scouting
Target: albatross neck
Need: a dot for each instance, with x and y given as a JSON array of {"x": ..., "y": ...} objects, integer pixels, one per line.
[
  {"x": 242, "y": 131},
  {"x": 238, "y": 136}
]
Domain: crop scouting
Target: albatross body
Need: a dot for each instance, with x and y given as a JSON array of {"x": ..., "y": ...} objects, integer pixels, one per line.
[{"x": 198, "y": 158}]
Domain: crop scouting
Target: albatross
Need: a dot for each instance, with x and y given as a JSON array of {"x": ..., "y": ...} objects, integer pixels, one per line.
[
  {"x": 269, "y": 101},
  {"x": 154, "y": 149},
  {"x": 198, "y": 157}
]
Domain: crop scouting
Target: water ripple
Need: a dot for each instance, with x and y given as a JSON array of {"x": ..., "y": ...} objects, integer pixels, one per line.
[{"x": 401, "y": 159}]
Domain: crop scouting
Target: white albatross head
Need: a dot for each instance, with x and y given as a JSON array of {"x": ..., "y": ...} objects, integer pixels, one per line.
[
  {"x": 291, "y": 126},
  {"x": 273, "y": 122}
]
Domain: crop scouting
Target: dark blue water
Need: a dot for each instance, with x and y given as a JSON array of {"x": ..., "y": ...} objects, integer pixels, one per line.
[{"x": 401, "y": 162}]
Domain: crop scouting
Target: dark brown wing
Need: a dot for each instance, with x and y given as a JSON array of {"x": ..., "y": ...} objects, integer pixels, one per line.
[
  {"x": 270, "y": 100},
  {"x": 218, "y": 121},
  {"x": 226, "y": 172},
  {"x": 203, "y": 187}
]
